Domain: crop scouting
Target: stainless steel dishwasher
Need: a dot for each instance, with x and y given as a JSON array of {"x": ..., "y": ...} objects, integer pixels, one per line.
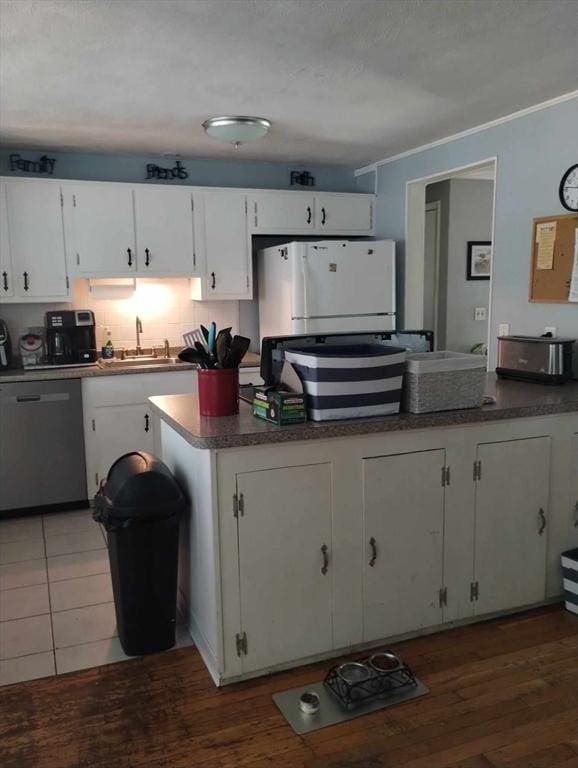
[{"x": 41, "y": 444}]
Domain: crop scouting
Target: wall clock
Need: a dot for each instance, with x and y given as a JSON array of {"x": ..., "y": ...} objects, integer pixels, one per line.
[{"x": 569, "y": 189}]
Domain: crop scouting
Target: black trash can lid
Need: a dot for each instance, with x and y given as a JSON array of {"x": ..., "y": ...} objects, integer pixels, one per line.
[{"x": 140, "y": 485}]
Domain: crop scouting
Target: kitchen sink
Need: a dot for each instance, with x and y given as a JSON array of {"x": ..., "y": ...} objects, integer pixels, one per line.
[{"x": 142, "y": 361}]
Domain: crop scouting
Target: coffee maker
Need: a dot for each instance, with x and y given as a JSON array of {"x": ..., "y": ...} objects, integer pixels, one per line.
[
  {"x": 5, "y": 346},
  {"x": 70, "y": 337}
]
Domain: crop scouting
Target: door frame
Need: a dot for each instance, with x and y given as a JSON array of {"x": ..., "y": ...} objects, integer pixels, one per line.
[
  {"x": 436, "y": 206},
  {"x": 414, "y": 242}
]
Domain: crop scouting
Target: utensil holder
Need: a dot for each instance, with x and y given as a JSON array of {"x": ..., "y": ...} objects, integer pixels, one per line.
[{"x": 218, "y": 391}]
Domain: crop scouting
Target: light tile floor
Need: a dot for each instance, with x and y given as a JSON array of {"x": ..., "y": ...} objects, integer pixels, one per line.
[{"x": 56, "y": 604}]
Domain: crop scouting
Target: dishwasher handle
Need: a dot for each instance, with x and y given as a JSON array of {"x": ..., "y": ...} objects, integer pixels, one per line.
[{"x": 50, "y": 397}]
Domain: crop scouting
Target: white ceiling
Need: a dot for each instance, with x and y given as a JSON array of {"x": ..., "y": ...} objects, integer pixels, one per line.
[{"x": 344, "y": 81}]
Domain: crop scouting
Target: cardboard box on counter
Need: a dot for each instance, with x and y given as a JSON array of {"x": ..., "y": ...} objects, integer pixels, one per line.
[{"x": 278, "y": 406}]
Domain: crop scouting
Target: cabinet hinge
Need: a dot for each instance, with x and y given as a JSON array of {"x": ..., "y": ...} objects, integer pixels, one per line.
[
  {"x": 238, "y": 505},
  {"x": 443, "y": 594},
  {"x": 445, "y": 476},
  {"x": 93, "y": 425},
  {"x": 477, "y": 470},
  {"x": 74, "y": 201},
  {"x": 194, "y": 260},
  {"x": 67, "y": 283},
  {"x": 96, "y": 479},
  {"x": 61, "y": 200},
  {"x": 247, "y": 281},
  {"x": 241, "y": 643},
  {"x": 371, "y": 215},
  {"x": 192, "y": 203},
  {"x": 474, "y": 591},
  {"x": 77, "y": 259}
]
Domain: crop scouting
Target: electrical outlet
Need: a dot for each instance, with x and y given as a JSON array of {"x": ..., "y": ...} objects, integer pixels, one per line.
[
  {"x": 504, "y": 329},
  {"x": 551, "y": 329},
  {"x": 480, "y": 313}
]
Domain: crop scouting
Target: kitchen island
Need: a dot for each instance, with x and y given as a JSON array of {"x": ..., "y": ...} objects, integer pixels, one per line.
[{"x": 304, "y": 541}]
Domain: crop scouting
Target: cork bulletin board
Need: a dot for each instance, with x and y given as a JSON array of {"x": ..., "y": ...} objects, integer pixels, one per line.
[{"x": 553, "y": 242}]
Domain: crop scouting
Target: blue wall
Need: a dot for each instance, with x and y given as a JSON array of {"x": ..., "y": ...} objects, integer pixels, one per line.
[
  {"x": 533, "y": 153},
  {"x": 202, "y": 172}
]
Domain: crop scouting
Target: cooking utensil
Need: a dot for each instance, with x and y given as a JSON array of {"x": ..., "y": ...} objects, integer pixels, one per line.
[
  {"x": 237, "y": 351},
  {"x": 192, "y": 336},
  {"x": 211, "y": 340},
  {"x": 190, "y": 355}
]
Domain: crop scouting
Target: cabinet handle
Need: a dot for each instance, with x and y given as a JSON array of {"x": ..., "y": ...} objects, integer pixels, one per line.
[
  {"x": 5, "y": 280},
  {"x": 542, "y": 522},
  {"x": 373, "y": 545},
  {"x": 146, "y": 420},
  {"x": 309, "y": 214},
  {"x": 129, "y": 252},
  {"x": 26, "y": 284},
  {"x": 213, "y": 281},
  {"x": 325, "y": 565},
  {"x": 576, "y": 517},
  {"x": 323, "y": 216},
  {"x": 147, "y": 257}
]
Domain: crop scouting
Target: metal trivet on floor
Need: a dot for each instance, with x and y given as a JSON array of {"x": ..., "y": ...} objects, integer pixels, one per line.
[{"x": 351, "y": 690}]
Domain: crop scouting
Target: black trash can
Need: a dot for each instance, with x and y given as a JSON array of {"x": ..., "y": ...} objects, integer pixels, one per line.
[{"x": 140, "y": 506}]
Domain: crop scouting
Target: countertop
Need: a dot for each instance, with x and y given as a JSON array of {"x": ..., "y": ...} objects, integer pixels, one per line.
[
  {"x": 513, "y": 400},
  {"x": 82, "y": 372}
]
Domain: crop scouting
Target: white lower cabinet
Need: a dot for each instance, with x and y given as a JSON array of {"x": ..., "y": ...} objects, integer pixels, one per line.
[
  {"x": 403, "y": 525},
  {"x": 285, "y": 563},
  {"x": 511, "y": 524},
  {"x": 117, "y": 417},
  {"x": 300, "y": 550}
]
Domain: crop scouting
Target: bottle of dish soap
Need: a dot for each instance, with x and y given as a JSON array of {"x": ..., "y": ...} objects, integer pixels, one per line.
[{"x": 108, "y": 350}]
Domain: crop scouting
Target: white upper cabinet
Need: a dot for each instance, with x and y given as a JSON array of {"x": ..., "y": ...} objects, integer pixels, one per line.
[
  {"x": 281, "y": 213},
  {"x": 222, "y": 246},
  {"x": 285, "y": 213},
  {"x": 164, "y": 231},
  {"x": 33, "y": 254},
  {"x": 101, "y": 236},
  {"x": 512, "y": 493},
  {"x": 344, "y": 213},
  {"x": 6, "y": 274}
]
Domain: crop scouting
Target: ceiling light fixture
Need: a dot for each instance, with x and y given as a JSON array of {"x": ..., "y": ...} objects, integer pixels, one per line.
[{"x": 237, "y": 129}]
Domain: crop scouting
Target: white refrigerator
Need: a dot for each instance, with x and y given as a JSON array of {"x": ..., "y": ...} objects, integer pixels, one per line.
[{"x": 328, "y": 286}]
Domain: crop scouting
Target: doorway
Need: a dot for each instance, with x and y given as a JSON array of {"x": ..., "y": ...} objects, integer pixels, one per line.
[{"x": 449, "y": 237}]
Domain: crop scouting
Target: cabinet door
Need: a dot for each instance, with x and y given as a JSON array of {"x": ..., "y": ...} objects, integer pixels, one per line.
[
  {"x": 403, "y": 529},
  {"x": 281, "y": 213},
  {"x": 285, "y": 586},
  {"x": 6, "y": 275},
  {"x": 223, "y": 240},
  {"x": 511, "y": 523},
  {"x": 36, "y": 240},
  {"x": 350, "y": 213},
  {"x": 114, "y": 432},
  {"x": 102, "y": 230},
  {"x": 164, "y": 231}
]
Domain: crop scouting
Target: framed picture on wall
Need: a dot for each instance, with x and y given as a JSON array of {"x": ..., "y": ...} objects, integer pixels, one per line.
[{"x": 479, "y": 260}]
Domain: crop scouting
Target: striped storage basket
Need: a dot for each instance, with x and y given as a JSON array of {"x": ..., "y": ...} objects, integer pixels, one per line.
[
  {"x": 349, "y": 381},
  {"x": 570, "y": 575}
]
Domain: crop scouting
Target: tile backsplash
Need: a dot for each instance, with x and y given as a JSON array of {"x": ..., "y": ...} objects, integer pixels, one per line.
[{"x": 164, "y": 307}]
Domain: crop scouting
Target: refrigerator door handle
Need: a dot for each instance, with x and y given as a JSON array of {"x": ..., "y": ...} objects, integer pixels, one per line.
[{"x": 305, "y": 273}]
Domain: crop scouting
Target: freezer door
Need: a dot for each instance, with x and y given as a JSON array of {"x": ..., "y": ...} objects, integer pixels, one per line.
[{"x": 338, "y": 279}]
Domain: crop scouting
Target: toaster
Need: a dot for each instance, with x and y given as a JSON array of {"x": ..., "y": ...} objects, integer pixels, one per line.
[{"x": 535, "y": 358}]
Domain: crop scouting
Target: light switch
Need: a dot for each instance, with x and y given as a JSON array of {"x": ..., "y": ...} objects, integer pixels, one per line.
[
  {"x": 480, "y": 313},
  {"x": 504, "y": 329}
]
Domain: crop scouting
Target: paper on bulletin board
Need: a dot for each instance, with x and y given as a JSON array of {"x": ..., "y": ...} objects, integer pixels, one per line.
[
  {"x": 545, "y": 238},
  {"x": 573, "y": 295}
]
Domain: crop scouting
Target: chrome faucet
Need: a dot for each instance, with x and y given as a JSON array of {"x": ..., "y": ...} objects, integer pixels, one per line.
[
  {"x": 138, "y": 350},
  {"x": 167, "y": 348}
]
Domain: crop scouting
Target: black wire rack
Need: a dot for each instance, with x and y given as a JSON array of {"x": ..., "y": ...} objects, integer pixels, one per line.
[{"x": 374, "y": 685}]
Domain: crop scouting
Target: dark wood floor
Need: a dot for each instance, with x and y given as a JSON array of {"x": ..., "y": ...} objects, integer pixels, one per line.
[{"x": 503, "y": 693}]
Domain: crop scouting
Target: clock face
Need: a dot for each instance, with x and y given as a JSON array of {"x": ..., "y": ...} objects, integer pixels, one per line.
[{"x": 569, "y": 189}]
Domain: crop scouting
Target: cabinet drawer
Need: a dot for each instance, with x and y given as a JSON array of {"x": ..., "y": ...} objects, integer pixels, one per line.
[{"x": 133, "y": 389}]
